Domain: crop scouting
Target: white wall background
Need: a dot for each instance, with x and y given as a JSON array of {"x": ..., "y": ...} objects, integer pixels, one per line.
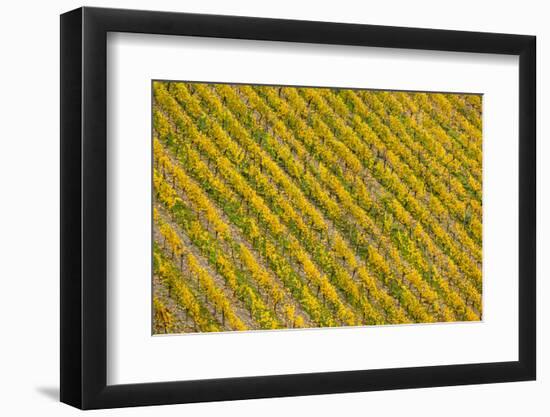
[{"x": 29, "y": 225}]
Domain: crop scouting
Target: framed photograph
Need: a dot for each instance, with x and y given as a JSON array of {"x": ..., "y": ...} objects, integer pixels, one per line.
[{"x": 256, "y": 208}]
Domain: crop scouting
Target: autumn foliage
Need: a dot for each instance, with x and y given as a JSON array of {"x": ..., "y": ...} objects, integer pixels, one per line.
[{"x": 284, "y": 207}]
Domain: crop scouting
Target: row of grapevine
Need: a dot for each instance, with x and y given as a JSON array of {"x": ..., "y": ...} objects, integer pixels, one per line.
[
  {"x": 303, "y": 128},
  {"x": 264, "y": 214},
  {"x": 213, "y": 219},
  {"x": 281, "y": 207}
]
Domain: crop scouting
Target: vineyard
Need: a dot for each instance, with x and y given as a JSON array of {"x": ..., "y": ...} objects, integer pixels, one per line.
[{"x": 284, "y": 207}]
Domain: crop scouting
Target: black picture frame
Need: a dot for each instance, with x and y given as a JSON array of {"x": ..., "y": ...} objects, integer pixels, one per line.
[{"x": 84, "y": 207}]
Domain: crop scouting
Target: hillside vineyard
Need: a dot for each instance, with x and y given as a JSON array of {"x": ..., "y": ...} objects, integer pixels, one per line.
[{"x": 292, "y": 207}]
